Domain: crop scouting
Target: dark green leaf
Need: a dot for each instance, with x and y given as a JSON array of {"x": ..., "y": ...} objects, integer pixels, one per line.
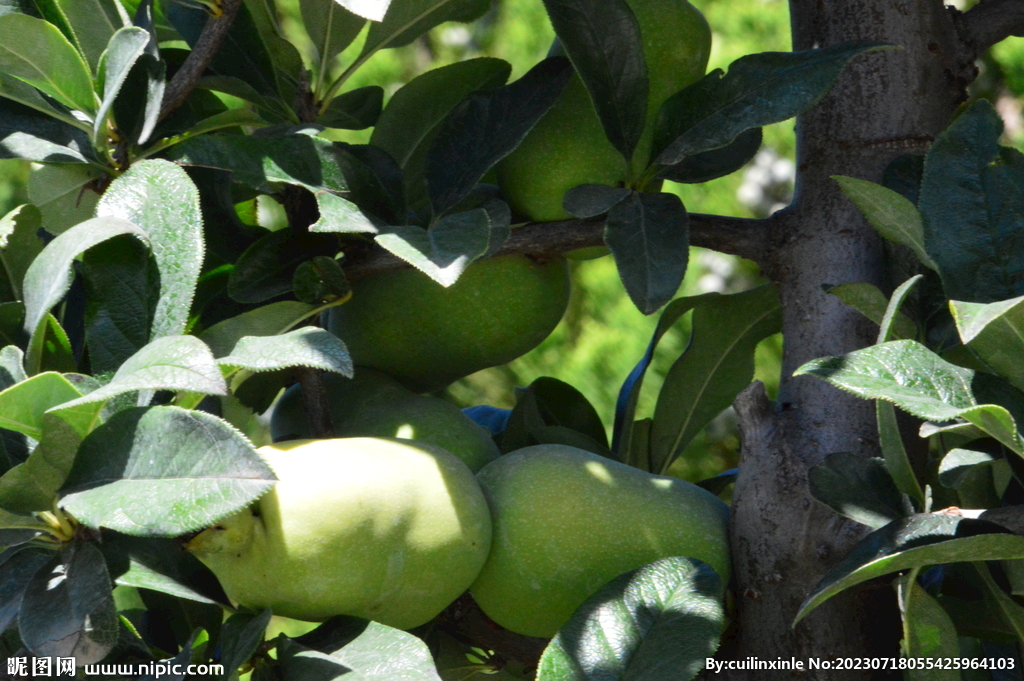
[
  {"x": 592, "y": 200},
  {"x": 994, "y": 332},
  {"x": 12, "y": 318},
  {"x": 719, "y": 364},
  {"x": 930, "y": 632},
  {"x": 126, "y": 46},
  {"x": 179, "y": 661},
  {"x": 916, "y": 541},
  {"x": 445, "y": 251},
  {"x": 240, "y": 635},
  {"x": 957, "y": 464},
  {"x": 660, "y": 622},
  {"x": 92, "y": 23},
  {"x": 15, "y": 574},
  {"x": 603, "y": 41},
  {"x": 66, "y": 193},
  {"x": 759, "y": 89},
  {"x": 286, "y": 59},
  {"x": 308, "y": 347},
  {"x": 649, "y": 236},
  {"x": 407, "y": 20},
  {"x": 269, "y": 320},
  {"x": 897, "y": 461},
  {"x": 486, "y": 127},
  {"x": 68, "y": 609},
  {"x": 19, "y": 245},
  {"x": 50, "y": 349},
  {"x": 267, "y": 268},
  {"x": 858, "y": 488},
  {"x": 903, "y": 176},
  {"x": 869, "y": 300},
  {"x": 974, "y": 210},
  {"x": 354, "y": 110},
  {"x": 161, "y": 199},
  {"x": 549, "y": 411},
  {"x": 331, "y": 29},
  {"x": 160, "y": 565},
  {"x": 32, "y": 486},
  {"x": 563, "y": 405},
  {"x": 122, "y": 286},
  {"x": 710, "y": 165},
  {"x": 12, "y": 366},
  {"x": 374, "y": 10},
  {"x": 31, "y": 136},
  {"x": 320, "y": 280},
  {"x": 409, "y": 123},
  {"x": 892, "y": 215},
  {"x": 37, "y": 53},
  {"x": 376, "y": 181},
  {"x": 163, "y": 471}
]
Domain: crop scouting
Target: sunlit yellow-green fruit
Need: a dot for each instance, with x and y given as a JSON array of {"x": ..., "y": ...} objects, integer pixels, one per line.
[
  {"x": 568, "y": 146},
  {"x": 567, "y": 522},
  {"x": 427, "y": 336},
  {"x": 387, "y": 530},
  {"x": 372, "y": 404}
]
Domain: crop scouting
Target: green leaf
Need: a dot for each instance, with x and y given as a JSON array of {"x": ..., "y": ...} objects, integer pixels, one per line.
[
  {"x": 27, "y": 135},
  {"x": 892, "y": 216},
  {"x": 161, "y": 199},
  {"x": 603, "y": 41},
  {"x": 19, "y": 245},
  {"x": 759, "y": 89},
  {"x": 50, "y": 349},
  {"x": 549, "y": 411},
  {"x": 36, "y": 52},
  {"x": 928, "y": 631},
  {"x": 269, "y": 320},
  {"x": 407, "y": 20},
  {"x": 445, "y": 251},
  {"x": 23, "y": 404},
  {"x": 897, "y": 461},
  {"x": 15, "y": 574},
  {"x": 957, "y": 464},
  {"x": 122, "y": 288},
  {"x": 12, "y": 366},
  {"x": 286, "y": 60},
  {"x": 869, "y": 300},
  {"x": 296, "y": 159},
  {"x": 12, "y": 317},
  {"x": 716, "y": 163},
  {"x": 26, "y": 95},
  {"x": 1010, "y": 611},
  {"x": 320, "y": 280},
  {"x": 485, "y": 127},
  {"x": 241, "y": 635},
  {"x": 68, "y": 608},
  {"x": 64, "y": 194},
  {"x": 858, "y": 488},
  {"x": 996, "y": 333},
  {"x": 267, "y": 268},
  {"x": 409, "y": 123},
  {"x": 163, "y": 471},
  {"x": 308, "y": 347},
  {"x": 161, "y": 565},
  {"x": 169, "y": 363},
  {"x": 331, "y": 29},
  {"x": 916, "y": 541},
  {"x": 649, "y": 236},
  {"x": 591, "y": 200},
  {"x": 125, "y": 48},
  {"x": 93, "y": 23},
  {"x": 719, "y": 363},
  {"x": 973, "y": 208},
  {"x": 374, "y": 10},
  {"x": 660, "y": 622},
  {"x": 225, "y": 119},
  {"x": 352, "y": 647},
  {"x": 32, "y": 485},
  {"x": 354, "y": 110},
  {"x": 49, "y": 276}
]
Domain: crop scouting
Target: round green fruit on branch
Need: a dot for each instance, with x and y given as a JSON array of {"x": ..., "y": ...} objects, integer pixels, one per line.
[
  {"x": 568, "y": 147},
  {"x": 427, "y": 336},
  {"x": 387, "y": 530},
  {"x": 375, "y": 405},
  {"x": 566, "y": 522}
]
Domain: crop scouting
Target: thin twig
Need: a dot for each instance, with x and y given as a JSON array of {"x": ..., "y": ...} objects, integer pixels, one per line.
[
  {"x": 990, "y": 22},
  {"x": 745, "y": 237},
  {"x": 210, "y": 41}
]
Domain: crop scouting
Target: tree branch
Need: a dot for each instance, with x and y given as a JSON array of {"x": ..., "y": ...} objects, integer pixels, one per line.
[
  {"x": 210, "y": 40},
  {"x": 747, "y": 238},
  {"x": 990, "y": 22}
]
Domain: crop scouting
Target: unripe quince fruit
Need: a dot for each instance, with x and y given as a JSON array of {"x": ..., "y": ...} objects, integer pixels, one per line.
[
  {"x": 568, "y": 146},
  {"x": 372, "y": 404},
  {"x": 387, "y": 530},
  {"x": 567, "y": 522},
  {"x": 427, "y": 336}
]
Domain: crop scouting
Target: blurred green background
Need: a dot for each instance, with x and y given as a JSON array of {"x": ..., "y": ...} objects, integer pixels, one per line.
[{"x": 603, "y": 335}]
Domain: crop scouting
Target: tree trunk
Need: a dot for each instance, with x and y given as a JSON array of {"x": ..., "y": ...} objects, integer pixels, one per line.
[{"x": 886, "y": 104}]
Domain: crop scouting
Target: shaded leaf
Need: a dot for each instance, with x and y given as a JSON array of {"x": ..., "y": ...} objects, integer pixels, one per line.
[
  {"x": 240, "y": 635},
  {"x": 869, "y": 300},
  {"x": 32, "y": 485},
  {"x": 92, "y": 23},
  {"x": 858, "y": 488},
  {"x": 354, "y": 110},
  {"x": 65, "y": 194},
  {"x": 269, "y": 320},
  {"x": 320, "y": 280},
  {"x": 267, "y": 268},
  {"x": 28, "y": 135},
  {"x": 407, "y": 20},
  {"x": 592, "y": 200},
  {"x": 996, "y": 332},
  {"x": 19, "y": 245},
  {"x": 331, "y": 28},
  {"x": 659, "y": 622},
  {"x": 957, "y": 463},
  {"x": 445, "y": 251},
  {"x": 929, "y": 632},
  {"x": 649, "y": 236},
  {"x": 160, "y": 565},
  {"x": 15, "y": 574},
  {"x": 163, "y": 471},
  {"x": 710, "y": 165}
]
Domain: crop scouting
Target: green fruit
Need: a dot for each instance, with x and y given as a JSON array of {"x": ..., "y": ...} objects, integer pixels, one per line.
[
  {"x": 375, "y": 405},
  {"x": 387, "y": 530},
  {"x": 427, "y": 336},
  {"x": 568, "y": 146},
  {"x": 566, "y": 522}
]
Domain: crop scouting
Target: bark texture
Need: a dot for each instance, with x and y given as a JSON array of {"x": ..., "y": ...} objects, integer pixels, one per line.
[{"x": 885, "y": 104}]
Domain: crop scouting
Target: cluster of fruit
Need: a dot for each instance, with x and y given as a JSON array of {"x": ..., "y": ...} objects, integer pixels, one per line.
[{"x": 416, "y": 505}]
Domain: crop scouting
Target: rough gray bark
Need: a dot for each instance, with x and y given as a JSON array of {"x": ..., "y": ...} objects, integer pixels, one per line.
[{"x": 885, "y": 105}]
